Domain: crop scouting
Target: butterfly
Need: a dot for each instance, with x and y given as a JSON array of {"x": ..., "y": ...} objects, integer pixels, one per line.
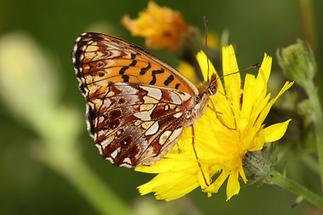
[{"x": 137, "y": 105}]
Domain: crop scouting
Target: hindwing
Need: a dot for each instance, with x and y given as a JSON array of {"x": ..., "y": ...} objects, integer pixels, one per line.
[{"x": 135, "y": 124}]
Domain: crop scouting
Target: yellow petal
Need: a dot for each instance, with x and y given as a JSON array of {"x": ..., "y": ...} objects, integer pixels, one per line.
[
  {"x": 169, "y": 186},
  {"x": 223, "y": 110},
  {"x": 258, "y": 142},
  {"x": 275, "y": 131},
  {"x": 264, "y": 70},
  {"x": 232, "y": 80},
  {"x": 206, "y": 66},
  {"x": 158, "y": 167},
  {"x": 243, "y": 175},
  {"x": 254, "y": 92},
  {"x": 204, "y": 177},
  {"x": 267, "y": 108},
  {"x": 233, "y": 186},
  {"x": 260, "y": 85},
  {"x": 286, "y": 86},
  {"x": 230, "y": 64},
  {"x": 214, "y": 187},
  {"x": 248, "y": 101}
]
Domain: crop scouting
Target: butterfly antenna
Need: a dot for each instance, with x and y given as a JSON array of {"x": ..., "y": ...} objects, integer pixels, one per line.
[
  {"x": 205, "y": 21},
  {"x": 254, "y": 66}
]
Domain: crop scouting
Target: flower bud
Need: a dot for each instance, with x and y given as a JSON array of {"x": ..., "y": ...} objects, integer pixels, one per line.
[{"x": 298, "y": 62}]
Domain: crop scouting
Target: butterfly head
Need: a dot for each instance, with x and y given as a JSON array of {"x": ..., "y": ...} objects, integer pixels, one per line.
[{"x": 211, "y": 86}]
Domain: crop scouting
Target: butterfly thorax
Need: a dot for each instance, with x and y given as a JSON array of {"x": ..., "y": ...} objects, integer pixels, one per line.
[{"x": 206, "y": 90}]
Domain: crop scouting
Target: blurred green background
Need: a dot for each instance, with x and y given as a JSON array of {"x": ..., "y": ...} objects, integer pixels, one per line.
[{"x": 28, "y": 186}]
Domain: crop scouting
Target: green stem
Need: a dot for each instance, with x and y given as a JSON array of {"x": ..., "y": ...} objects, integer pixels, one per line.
[
  {"x": 288, "y": 184},
  {"x": 307, "y": 22},
  {"x": 310, "y": 162},
  {"x": 318, "y": 122}
]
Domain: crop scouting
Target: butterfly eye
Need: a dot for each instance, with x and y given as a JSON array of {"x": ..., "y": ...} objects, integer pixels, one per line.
[
  {"x": 211, "y": 90},
  {"x": 188, "y": 114},
  {"x": 196, "y": 100}
]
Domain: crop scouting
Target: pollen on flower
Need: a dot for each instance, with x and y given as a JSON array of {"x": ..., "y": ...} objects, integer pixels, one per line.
[
  {"x": 223, "y": 134},
  {"x": 162, "y": 27}
]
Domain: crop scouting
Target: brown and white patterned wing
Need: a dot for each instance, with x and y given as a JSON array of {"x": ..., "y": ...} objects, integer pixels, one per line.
[{"x": 136, "y": 124}]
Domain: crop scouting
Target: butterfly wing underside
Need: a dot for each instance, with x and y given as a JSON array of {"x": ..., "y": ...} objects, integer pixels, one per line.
[
  {"x": 136, "y": 103},
  {"x": 136, "y": 124}
]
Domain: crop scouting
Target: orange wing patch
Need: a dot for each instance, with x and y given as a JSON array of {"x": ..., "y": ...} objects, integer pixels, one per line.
[{"x": 101, "y": 59}]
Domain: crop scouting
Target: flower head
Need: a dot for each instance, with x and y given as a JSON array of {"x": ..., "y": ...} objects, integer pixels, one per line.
[
  {"x": 161, "y": 26},
  {"x": 298, "y": 62},
  {"x": 231, "y": 126}
]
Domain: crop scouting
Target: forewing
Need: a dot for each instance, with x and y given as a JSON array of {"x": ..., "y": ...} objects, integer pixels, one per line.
[
  {"x": 136, "y": 124},
  {"x": 100, "y": 59}
]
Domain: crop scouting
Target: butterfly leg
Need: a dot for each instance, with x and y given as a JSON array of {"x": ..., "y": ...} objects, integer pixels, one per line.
[
  {"x": 196, "y": 157},
  {"x": 218, "y": 115},
  {"x": 178, "y": 148}
]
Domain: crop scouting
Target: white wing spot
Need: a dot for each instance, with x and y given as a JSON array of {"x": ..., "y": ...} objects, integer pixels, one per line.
[
  {"x": 153, "y": 129},
  {"x": 126, "y": 161},
  {"x": 100, "y": 148},
  {"x": 175, "y": 134},
  {"x": 137, "y": 122},
  {"x": 144, "y": 107},
  {"x": 107, "y": 141},
  {"x": 115, "y": 153},
  {"x": 153, "y": 92},
  {"x": 172, "y": 106},
  {"x": 146, "y": 125},
  {"x": 175, "y": 98},
  {"x": 148, "y": 99},
  {"x": 185, "y": 96},
  {"x": 164, "y": 137},
  {"x": 126, "y": 88},
  {"x": 119, "y": 132},
  {"x": 144, "y": 115},
  {"x": 92, "y": 48},
  {"x": 110, "y": 93},
  {"x": 106, "y": 103},
  {"x": 101, "y": 119},
  {"x": 109, "y": 159},
  {"x": 90, "y": 55},
  {"x": 178, "y": 115},
  {"x": 126, "y": 165}
]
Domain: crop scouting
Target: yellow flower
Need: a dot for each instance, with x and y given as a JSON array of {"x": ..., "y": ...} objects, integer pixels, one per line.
[
  {"x": 161, "y": 26},
  {"x": 222, "y": 136}
]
